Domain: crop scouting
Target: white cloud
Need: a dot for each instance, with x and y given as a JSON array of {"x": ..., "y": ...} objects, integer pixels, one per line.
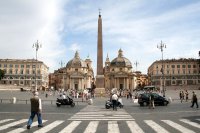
[{"x": 75, "y": 47}]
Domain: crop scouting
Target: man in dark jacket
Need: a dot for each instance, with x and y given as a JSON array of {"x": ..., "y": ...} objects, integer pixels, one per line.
[
  {"x": 36, "y": 109},
  {"x": 194, "y": 100}
]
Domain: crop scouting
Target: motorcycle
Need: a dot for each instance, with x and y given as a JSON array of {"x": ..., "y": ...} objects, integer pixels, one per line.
[
  {"x": 109, "y": 104},
  {"x": 67, "y": 101}
]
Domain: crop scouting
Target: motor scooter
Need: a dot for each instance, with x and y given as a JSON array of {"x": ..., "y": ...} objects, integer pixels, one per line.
[
  {"x": 67, "y": 101},
  {"x": 109, "y": 104}
]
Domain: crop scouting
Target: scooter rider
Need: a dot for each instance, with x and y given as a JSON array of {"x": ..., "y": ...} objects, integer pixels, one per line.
[{"x": 114, "y": 101}]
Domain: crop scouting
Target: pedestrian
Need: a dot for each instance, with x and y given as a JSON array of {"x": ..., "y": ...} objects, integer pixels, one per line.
[
  {"x": 151, "y": 100},
  {"x": 182, "y": 96},
  {"x": 36, "y": 109},
  {"x": 194, "y": 100},
  {"x": 186, "y": 95},
  {"x": 114, "y": 101}
]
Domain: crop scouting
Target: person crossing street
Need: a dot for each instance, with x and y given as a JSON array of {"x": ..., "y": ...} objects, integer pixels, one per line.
[{"x": 36, "y": 109}]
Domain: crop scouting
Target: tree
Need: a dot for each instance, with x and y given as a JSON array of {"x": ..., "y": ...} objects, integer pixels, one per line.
[{"x": 2, "y": 73}]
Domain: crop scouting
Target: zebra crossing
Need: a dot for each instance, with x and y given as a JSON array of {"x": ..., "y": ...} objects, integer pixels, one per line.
[
  {"x": 92, "y": 119},
  {"x": 92, "y": 126}
]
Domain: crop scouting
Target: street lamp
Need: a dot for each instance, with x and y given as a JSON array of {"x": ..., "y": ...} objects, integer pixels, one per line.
[
  {"x": 136, "y": 64},
  {"x": 36, "y": 46},
  {"x": 162, "y": 45}
]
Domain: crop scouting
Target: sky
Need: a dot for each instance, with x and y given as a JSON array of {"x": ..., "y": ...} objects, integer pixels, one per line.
[{"x": 63, "y": 27}]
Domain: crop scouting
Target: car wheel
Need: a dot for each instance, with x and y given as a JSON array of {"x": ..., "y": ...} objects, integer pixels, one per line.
[
  {"x": 165, "y": 103},
  {"x": 141, "y": 104},
  {"x": 145, "y": 103},
  {"x": 73, "y": 104}
]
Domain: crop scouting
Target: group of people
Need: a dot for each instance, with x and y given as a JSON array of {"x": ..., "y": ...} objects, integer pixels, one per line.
[{"x": 183, "y": 95}]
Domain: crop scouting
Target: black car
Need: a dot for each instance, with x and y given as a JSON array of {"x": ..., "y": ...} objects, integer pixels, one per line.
[{"x": 143, "y": 99}]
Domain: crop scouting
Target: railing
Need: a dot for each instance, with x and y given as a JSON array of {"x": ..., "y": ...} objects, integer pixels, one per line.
[{"x": 27, "y": 101}]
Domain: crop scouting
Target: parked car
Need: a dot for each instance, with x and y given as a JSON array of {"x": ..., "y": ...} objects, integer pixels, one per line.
[{"x": 143, "y": 99}]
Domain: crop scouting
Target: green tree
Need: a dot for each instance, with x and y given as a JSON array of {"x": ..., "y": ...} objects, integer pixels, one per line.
[{"x": 2, "y": 73}]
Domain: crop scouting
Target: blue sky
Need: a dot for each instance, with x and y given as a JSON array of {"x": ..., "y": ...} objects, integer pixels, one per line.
[{"x": 135, "y": 26}]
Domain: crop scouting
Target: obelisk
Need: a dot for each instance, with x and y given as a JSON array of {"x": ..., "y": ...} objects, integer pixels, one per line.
[{"x": 100, "y": 75}]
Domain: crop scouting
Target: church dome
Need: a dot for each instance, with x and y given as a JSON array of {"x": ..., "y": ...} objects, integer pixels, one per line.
[
  {"x": 76, "y": 62},
  {"x": 121, "y": 61}
]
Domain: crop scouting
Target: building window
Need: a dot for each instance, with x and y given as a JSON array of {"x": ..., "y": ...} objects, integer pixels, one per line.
[
  {"x": 120, "y": 69},
  {"x": 27, "y": 71},
  {"x": 38, "y": 72},
  {"x": 189, "y": 66},
  {"x": 10, "y": 71},
  {"x": 33, "y": 72},
  {"x": 178, "y": 66},
  {"x": 183, "y": 71},
  {"x": 195, "y": 71},
  {"x": 178, "y": 71},
  {"x": 27, "y": 66},
  {"x": 76, "y": 70},
  {"x": 22, "y": 72},
  {"x": 5, "y": 65},
  {"x": 183, "y": 66},
  {"x": 16, "y": 66},
  {"x": 113, "y": 69},
  {"x": 173, "y": 66},
  {"x": 33, "y": 66},
  {"x": 5, "y": 71},
  {"x": 194, "y": 66},
  {"x": 22, "y": 66},
  {"x": 16, "y": 71},
  {"x": 11, "y": 65},
  {"x": 167, "y": 72},
  {"x": 172, "y": 71},
  {"x": 167, "y": 66},
  {"x": 189, "y": 71}
]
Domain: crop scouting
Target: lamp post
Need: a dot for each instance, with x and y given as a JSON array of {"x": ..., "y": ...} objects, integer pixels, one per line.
[
  {"x": 162, "y": 45},
  {"x": 136, "y": 64},
  {"x": 36, "y": 46}
]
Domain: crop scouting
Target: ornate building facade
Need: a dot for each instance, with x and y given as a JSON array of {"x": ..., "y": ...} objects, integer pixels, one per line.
[
  {"x": 24, "y": 72},
  {"x": 176, "y": 72},
  {"x": 76, "y": 75},
  {"x": 118, "y": 74}
]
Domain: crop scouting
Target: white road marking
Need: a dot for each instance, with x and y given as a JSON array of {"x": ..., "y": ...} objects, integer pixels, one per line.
[
  {"x": 113, "y": 127},
  {"x": 102, "y": 119},
  {"x": 194, "y": 124},
  {"x": 92, "y": 127},
  {"x": 134, "y": 127},
  {"x": 6, "y": 120},
  {"x": 70, "y": 128},
  {"x": 49, "y": 127},
  {"x": 19, "y": 130},
  {"x": 155, "y": 126},
  {"x": 178, "y": 127},
  {"x": 12, "y": 124}
]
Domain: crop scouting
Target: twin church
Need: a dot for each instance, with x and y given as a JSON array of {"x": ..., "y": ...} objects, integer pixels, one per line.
[{"x": 79, "y": 75}]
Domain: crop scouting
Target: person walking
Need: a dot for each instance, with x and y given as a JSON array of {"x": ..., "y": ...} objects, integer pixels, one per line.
[
  {"x": 182, "y": 96},
  {"x": 114, "y": 101},
  {"x": 151, "y": 100},
  {"x": 194, "y": 100},
  {"x": 186, "y": 95},
  {"x": 36, "y": 109}
]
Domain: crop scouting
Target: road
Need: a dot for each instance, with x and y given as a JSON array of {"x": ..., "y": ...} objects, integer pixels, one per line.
[{"x": 175, "y": 118}]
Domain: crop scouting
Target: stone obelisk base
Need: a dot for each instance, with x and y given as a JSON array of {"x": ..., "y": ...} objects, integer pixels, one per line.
[{"x": 100, "y": 90}]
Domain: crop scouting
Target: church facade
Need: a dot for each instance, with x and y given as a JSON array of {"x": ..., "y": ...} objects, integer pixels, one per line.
[
  {"x": 118, "y": 74},
  {"x": 76, "y": 75}
]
